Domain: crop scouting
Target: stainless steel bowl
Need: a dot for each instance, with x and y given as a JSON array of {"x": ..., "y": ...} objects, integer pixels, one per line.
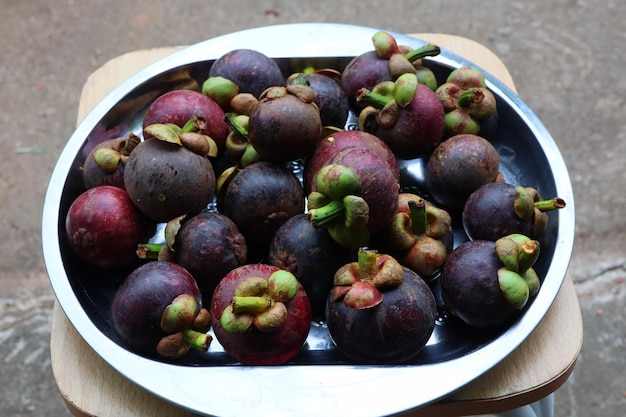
[{"x": 318, "y": 381}]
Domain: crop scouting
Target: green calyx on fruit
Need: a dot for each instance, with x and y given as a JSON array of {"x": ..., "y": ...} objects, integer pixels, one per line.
[
  {"x": 466, "y": 101},
  {"x": 336, "y": 207},
  {"x": 107, "y": 159},
  {"x": 518, "y": 280},
  {"x": 186, "y": 327},
  {"x": 221, "y": 90},
  {"x": 187, "y": 136},
  {"x": 385, "y": 44},
  {"x": 385, "y": 101},
  {"x": 403, "y": 59},
  {"x": 466, "y": 77},
  {"x": 416, "y": 229},
  {"x": 359, "y": 283},
  {"x": 237, "y": 142},
  {"x": 529, "y": 206},
  {"x": 415, "y": 218},
  {"x": 479, "y": 102},
  {"x": 259, "y": 303},
  {"x": 402, "y": 91}
]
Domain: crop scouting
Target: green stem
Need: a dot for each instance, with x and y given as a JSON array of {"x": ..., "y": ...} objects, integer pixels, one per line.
[
  {"x": 322, "y": 216},
  {"x": 236, "y": 126},
  {"x": 552, "y": 204},
  {"x": 190, "y": 126},
  {"x": 301, "y": 79},
  {"x": 367, "y": 263},
  {"x": 149, "y": 250},
  {"x": 419, "y": 221},
  {"x": 369, "y": 98},
  {"x": 469, "y": 97},
  {"x": 197, "y": 340},
  {"x": 424, "y": 51},
  {"x": 250, "y": 304}
]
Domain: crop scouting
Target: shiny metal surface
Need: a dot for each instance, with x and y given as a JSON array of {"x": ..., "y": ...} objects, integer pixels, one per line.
[{"x": 318, "y": 381}]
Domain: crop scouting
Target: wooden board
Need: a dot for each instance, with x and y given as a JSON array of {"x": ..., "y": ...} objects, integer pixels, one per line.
[{"x": 90, "y": 387}]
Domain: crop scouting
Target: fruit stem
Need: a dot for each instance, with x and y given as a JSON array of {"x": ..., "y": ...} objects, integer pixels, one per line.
[
  {"x": 469, "y": 97},
  {"x": 419, "y": 221},
  {"x": 300, "y": 79},
  {"x": 322, "y": 216},
  {"x": 191, "y": 125},
  {"x": 197, "y": 340},
  {"x": 235, "y": 126},
  {"x": 250, "y": 304},
  {"x": 149, "y": 250},
  {"x": 427, "y": 50},
  {"x": 552, "y": 204},
  {"x": 367, "y": 97},
  {"x": 367, "y": 263}
]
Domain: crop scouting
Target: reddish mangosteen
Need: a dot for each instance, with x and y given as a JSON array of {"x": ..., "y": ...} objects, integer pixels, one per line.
[
  {"x": 329, "y": 146},
  {"x": 407, "y": 115},
  {"x": 354, "y": 195},
  {"x": 104, "y": 227},
  {"x": 380, "y": 312},
  {"x": 157, "y": 311},
  {"x": 261, "y": 314},
  {"x": 498, "y": 209},
  {"x": 486, "y": 283},
  {"x": 182, "y": 107}
]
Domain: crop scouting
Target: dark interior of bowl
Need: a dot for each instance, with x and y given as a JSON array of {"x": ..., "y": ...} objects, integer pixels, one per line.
[{"x": 522, "y": 161}]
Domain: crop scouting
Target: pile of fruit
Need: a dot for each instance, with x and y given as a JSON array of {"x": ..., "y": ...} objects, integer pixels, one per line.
[{"x": 273, "y": 215}]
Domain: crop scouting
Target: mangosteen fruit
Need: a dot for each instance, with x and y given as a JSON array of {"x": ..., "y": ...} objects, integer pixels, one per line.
[
  {"x": 356, "y": 194},
  {"x": 251, "y": 70},
  {"x": 311, "y": 255},
  {"x": 420, "y": 234},
  {"x": 285, "y": 125},
  {"x": 458, "y": 166},
  {"x": 157, "y": 311},
  {"x": 330, "y": 145},
  {"x": 330, "y": 98},
  {"x": 166, "y": 178},
  {"x": 498, "y": 209},
  {"x": 405, "y": 114},
  {"x": 259, "y": 199},
  {"x": 486, "y": 284},
  {"x": 105, "y": 163},
  {"x": 470, "y": 107},
  {"x": 180, "y": 107},
  {"x": 380, "y": 312},
  {"x": 207, "y": 244},
  {"x": 386, "y": 62},
  {"x": 104, "y": 227},
  {"x": 261, "y": 314}
]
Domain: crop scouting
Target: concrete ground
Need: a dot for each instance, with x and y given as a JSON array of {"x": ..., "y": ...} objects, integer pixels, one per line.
[{"x": 566, "y": 56}]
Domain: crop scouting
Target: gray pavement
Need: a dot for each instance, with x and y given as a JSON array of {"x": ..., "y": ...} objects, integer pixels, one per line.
[{"x": 566, "y": 57}]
